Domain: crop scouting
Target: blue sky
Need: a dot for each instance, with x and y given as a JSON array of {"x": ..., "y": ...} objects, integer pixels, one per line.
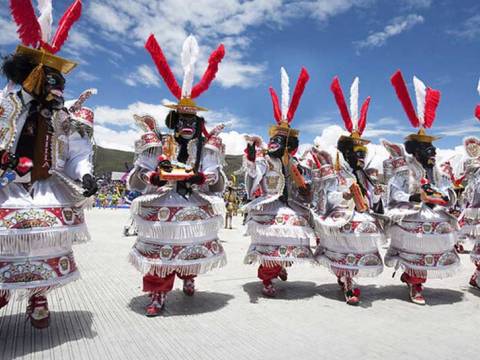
[{"x": 437, "y": 40}]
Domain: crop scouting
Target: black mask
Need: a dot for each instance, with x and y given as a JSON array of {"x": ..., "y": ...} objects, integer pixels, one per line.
[
  {"x": 356, "y": 159},
  {"x": 186, "y": 126},
  {"x": 53, "y": 86},
  {"x": 425, "y": 154},
  {"x": 276, "y": 146}
]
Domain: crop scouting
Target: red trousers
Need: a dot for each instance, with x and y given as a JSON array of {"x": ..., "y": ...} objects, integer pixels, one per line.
[
  {"x": 413, "y": 280},
  {"x": 155, "y": 283},
  {"x": 268, "y": 273}
]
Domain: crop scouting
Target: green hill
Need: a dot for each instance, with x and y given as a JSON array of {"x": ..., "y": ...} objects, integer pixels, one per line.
[{"x": 108, "y": 160}]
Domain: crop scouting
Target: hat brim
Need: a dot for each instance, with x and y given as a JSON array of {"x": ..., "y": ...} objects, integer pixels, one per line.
[
  {"x": 282, "y": 130},
  {"x": 42, "y": 57},
  {"x": 185, "y": 109},
  {"x": 354, "y": 140},
  {"x": 422, "y": 138}
]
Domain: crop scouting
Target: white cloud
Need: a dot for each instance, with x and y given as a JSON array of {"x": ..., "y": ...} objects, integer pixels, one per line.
[
  {"x": 144, "y": 75},
  {"x": 85, "y": 76},
  {"x": 117, "y": 129},
  {"x": 377, "y": 153},
  {"x": 470, "y": 29},
  {"x": 8, "y": 35},
  {"x": 115, "y": 139},
  {"x": 234, "y": 142},
  {"x": 130, "y": 23},
  {"x": 417, "y": 4},
  {"x": 396, "y": 26}
]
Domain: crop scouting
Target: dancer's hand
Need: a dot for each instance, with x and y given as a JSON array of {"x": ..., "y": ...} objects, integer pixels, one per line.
[{"x": 89, "y": 184}]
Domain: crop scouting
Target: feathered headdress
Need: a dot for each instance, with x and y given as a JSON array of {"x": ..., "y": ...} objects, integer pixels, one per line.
[
  {"x": 427, "y": 103},
  {"x": 35, "y": 33},
  {"x": 284, "y": 114},
  {"x": 37, "y": 43},
  {"x": 477, "y": 109},
  {"x": 355, "y": 123},
  {"x": 188, "y": 92}
]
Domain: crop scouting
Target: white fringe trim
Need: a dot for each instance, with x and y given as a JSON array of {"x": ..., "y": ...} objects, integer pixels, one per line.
[
  {"x": 421, "y": 243},
  {"x": 253, "y": 258},
  {"x": 283, "y": 231},
  {"x": 139, "y": 201},
  {"x": 178, "y": 230},
  {"x": 361, "y": 243},
  {"x": 35, "y": 286},
  {"x": 471, "y": 230},
  {"x": 24, "y": 241},
  {"x": 340, "y": 270},
  {"x": 432, "y": 273},
  {"x": 185, "y": 267}
]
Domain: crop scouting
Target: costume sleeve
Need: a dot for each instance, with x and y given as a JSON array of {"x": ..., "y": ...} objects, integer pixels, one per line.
[
  {"x": 80, "y": 154},
  {"x": 145, "y": 163},
  {"x": 398, "y": 188},
  {"x": 211, "y": 168},
  {"x": 254, "y": 172}
]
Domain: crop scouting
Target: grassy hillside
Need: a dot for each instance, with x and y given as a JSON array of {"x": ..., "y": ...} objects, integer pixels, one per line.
[{"x": 108, "y": 160}]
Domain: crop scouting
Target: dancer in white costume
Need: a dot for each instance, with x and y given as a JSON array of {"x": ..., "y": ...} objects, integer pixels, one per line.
[
  {"x": 47, "y": 170},
  {"x": 471, "y": 218},
  {"x": 348, "y": 202},
  {"x": 278, "y": 221},
  {"x": 181, "y": 177},
  {"x": 423, "y": 233}
]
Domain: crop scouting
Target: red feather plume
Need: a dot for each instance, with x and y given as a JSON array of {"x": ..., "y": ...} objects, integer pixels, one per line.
[
  {"x": 402, "y": 93},
  {"x": 277, "y": 114},
  {"x": 342, "y": 105},
  {"x": 432, "y": 100},
  {"x": 65, "y": 24},
  {"x": 207, "y": 78},
  {"x": 29, "y": 29},
  {"x": 162, "y": 65},
  {"x": 362, "y": 121},
  {"x": 297, "y": 93},
  {"x": 477, "y": 112}
]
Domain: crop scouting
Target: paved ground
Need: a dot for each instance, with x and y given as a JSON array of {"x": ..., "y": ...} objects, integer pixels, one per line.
[{"x": 101, "y": 315}]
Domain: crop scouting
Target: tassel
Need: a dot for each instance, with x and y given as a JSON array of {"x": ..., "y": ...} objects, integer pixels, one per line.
[
  {"x": 337, "y": 162},
  {"x": 33, "y": 84}
]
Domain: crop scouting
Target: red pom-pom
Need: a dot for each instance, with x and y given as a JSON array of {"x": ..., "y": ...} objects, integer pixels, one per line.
[
  {"x": 477, "y": 112},
  {"x": 356, "y": 292}
]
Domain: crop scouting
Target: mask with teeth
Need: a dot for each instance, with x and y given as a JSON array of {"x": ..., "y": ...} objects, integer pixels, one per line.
[{"x": 425, "y": 153}]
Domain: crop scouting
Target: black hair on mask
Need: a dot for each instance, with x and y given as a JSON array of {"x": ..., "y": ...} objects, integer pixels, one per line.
[
  {"x": 345, "y": 146},
  {"x": 171, "y": 119},
  {"x": 17, "y": 67},
  {"x": 411, "y": 146}
]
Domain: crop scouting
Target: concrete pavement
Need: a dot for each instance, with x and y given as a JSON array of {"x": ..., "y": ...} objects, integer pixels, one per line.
[{"x": 101, "y": 315}]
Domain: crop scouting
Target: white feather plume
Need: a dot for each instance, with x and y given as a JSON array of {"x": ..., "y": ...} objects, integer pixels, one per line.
[
  {"x": 45, "y": 19},
  {"x": 354, "y": 102},
  {"x": 285, "y": 84},
  {"x": 420, "y": 94},
  {"x": 189, "y": 58},
  {"x": 478, "y": 87}
]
